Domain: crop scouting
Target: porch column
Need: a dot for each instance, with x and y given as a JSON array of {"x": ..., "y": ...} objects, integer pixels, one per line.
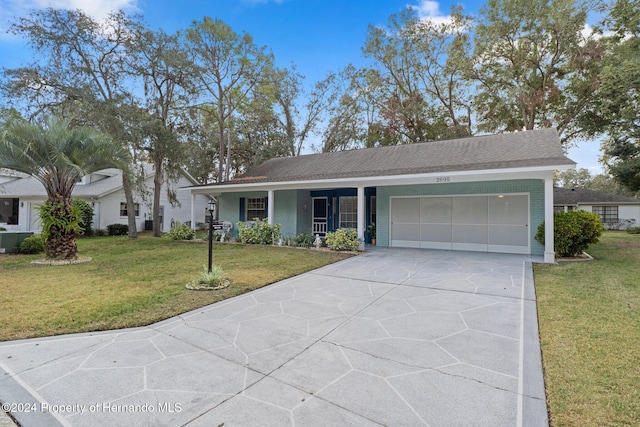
[
  {"x": 549, "y": 253},
  {"x": 362, "y": 213},
  {"x": 270, "y": 206},
  {"x": 193, "y": 211}
]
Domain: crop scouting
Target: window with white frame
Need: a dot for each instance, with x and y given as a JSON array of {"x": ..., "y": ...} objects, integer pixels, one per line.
[
  {"x": 124, "y": 211},
  {"x": 608, "y": 214},
  {"x": 349, "y": 212},
  {"x": 255, "y": 208}
]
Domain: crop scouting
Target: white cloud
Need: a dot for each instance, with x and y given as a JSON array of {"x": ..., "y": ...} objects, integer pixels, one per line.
[
  {"x": 430, "y": 10},
  {"x": 99, "y": 9},
  {"x": 9, "y": 9}
]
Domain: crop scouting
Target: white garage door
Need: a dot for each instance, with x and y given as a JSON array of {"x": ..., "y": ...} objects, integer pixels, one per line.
[{"x": 490, "y": 223}]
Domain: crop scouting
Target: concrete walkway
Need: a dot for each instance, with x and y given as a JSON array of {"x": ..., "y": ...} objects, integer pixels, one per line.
[{"x": 393, "y": 337}]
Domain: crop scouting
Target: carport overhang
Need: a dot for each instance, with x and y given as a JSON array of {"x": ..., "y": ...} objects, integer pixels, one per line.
[{"x": 544, "y": 173}]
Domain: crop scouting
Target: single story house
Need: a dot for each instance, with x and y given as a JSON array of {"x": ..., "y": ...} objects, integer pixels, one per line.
[
  {"x": 485, "y": 193},
  {"x": 616, "y": 212},
  {"x": 20, "y": 194}
]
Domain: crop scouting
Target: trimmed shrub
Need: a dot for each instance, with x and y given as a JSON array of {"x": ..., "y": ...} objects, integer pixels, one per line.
[
  {"x": 633, "y": 230},
  {"x": 3, "y": 229},
  {"x": 32, "y": 245},
  {"x": 258, "y": 233},
  {"x": 99, "y": 232},
  {"x": 574, "y": 231},
  {"x": 181, "y": 232},
  {"x": 86, "y": 217},
  {"x": 117, "y": 229},
  {"x": 343, "y": 239}
]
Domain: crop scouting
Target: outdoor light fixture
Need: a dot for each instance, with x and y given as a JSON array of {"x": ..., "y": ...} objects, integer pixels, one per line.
[{"x": 211, "y": 207}]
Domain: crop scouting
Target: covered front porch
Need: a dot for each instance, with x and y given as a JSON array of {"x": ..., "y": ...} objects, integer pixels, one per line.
[{"x": 315, "y": 211}]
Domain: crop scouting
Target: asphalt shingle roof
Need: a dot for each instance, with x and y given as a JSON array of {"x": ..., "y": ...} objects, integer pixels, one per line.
[
  {"x": 31, "y": 187},
  {"x": 574, "y": 196},
  {"x": 510, "y": 150}
]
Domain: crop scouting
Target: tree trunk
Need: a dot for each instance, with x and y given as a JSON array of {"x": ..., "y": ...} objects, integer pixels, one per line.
[
  {"x": 131, "y": 212},
  {"x": 157, "y": 188},
  {"x": 61, "y": 244}
]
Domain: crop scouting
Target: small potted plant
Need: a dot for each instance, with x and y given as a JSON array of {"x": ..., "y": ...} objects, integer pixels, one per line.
[{"x": 371, "y": 231}]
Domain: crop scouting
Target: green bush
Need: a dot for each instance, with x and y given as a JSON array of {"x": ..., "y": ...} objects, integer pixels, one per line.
[
  {"x": 258, "y": 233},
  {"x": 343, "y": 239},
  {"x": 32, "y": 245},
  {"x": 86, "y": 217},
  {"x": 573, "y": 232},
  {"x": 3, "y": 229},
  {"x": 117, "y": 229},
  {"x": 99, "y": 232},
  {"x": 633, "y": 230},
  {"x": 181, "y": 232},
  {"x": 304, "y": 240}
]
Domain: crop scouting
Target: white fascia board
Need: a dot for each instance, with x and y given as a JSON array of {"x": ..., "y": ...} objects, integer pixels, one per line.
[{"x": 537, "y": 172}]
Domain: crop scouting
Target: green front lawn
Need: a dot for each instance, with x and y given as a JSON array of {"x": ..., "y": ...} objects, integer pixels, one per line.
[
  {"x": 589, "y": 316},
  {"x": 589, "y": 312},
  {"x": 133, "y": 282}
]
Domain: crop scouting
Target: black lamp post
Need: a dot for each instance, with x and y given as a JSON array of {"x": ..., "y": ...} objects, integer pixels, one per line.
[{"x": 211, "y": 207}]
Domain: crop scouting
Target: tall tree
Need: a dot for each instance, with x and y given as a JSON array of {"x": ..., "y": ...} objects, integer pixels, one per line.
[
  {"x": 230, "y": 66},
  {"x": 159, "y": 60},
  {"x": 58, "y": 156},
  {"x": 573, "y": 178},
  {"x": 615, "y": 112},
  {"x": 532, "y": 64},
  {"x": 418, "y": 76},
  {"x": 78, "y": 73},
  {"x": 288, "y": 91}
]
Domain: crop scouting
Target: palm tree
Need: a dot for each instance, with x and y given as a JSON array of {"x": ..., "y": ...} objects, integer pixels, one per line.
[{"x": 58, "y": 156}]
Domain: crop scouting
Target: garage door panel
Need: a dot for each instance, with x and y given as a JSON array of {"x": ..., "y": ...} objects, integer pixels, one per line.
[
  {"x": 476, "y": 234},
  {"x": 409, "y": 232},
  {"x": 509, "y": 235},
  {"x": 435, "y": 233},
  {"x": 405, "y": 210},
  {"x": 469, "y": 210},
  {"x": 435, "y": 210},
  {"x": 509, "y": 209}
]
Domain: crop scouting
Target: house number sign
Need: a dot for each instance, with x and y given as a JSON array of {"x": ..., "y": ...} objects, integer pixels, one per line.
[{"x": 443, "y": 179}]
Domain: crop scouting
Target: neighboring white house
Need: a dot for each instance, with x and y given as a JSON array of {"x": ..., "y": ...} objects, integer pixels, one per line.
[
  {"x": 20, "y": 194},
  {"x": 616, "y": 212}
]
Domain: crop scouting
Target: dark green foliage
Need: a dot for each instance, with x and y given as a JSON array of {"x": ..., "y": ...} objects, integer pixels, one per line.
[
  {"x": 259, "y": 232},
  {"x": 86, "y": 216},
  {"x": 343, "y": 239},
  {"x": 181, "y": 231},
  {"x": 573, "y": 232},
  {"x": 304, "y": 240},
  {"x": 55, "y": 223},
  {"x": 633, "y": 230},
  {"x": 371, "y": 230},
  {"x": 61, "y": 221},
  {"x": 3, "y": 229},
  {"x": 32, "y": 245},
  {"x": 117, "y": 229}
]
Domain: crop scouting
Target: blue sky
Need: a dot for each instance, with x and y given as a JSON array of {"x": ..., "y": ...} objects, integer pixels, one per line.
[{"x": 318, "y": 36}]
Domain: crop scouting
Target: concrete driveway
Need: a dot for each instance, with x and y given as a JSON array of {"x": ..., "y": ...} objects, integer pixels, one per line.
[{"x": 392, "y": 337}]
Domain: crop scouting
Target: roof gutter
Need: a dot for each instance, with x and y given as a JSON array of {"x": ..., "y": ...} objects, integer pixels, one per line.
[{"x": 537, "y": 172}]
